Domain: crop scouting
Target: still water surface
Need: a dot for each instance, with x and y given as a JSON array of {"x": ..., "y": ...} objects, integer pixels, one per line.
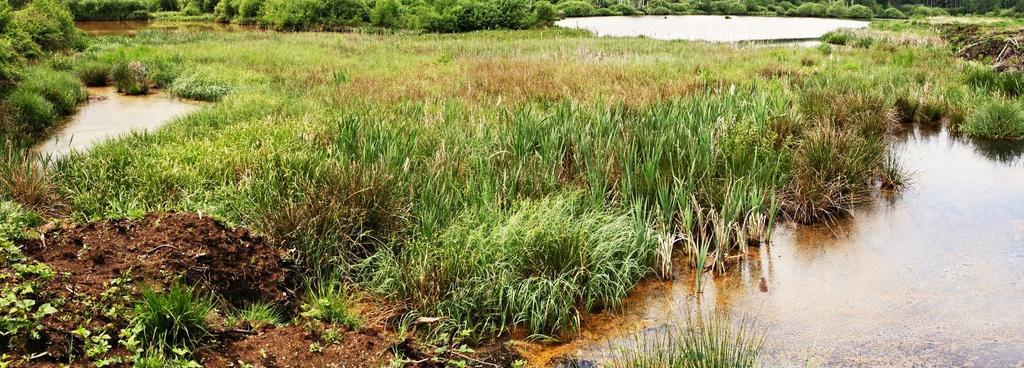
[
  {"x": 932, "y": 276},
  {"x": 110, "y": 114},
  {"x": 713, "y": 28}
]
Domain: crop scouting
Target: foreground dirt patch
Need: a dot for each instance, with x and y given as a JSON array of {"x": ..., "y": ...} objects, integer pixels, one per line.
[
  {"x": 160, "y": 248},
  {"x": 290, "y": 346}
]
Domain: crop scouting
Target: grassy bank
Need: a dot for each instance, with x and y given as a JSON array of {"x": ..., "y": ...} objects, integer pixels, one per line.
[{"x": 502, "y": 181}]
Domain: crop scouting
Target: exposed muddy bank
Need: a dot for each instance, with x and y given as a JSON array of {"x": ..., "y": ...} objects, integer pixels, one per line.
[
  {"x": 109, "y": 114},
  {"x": 128, "y": 27},
  {"x": 929, "y": 276}
]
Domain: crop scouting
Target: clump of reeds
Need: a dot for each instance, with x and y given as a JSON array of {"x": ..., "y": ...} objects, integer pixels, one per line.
[
  {"x": 998, "y": 118},
  {"x": 131, "y": 77},
  {"x": 538, "y": 265},
  {"x": 24, "y": 177},
  {"x": 707, "y": 342}
]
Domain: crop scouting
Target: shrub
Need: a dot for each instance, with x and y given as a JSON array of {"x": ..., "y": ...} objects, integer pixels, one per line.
[
  {"x": 34, "y": 114},
  {"x": 226, "y": 10},
  {"x": 996, "y": 119},
  {"x": 513, "y": 14},
  {"x": 166, "y": 5},
  {"x": 49, "y": 24},
  {"x": 545, "y": 13},
  {"x": 300, "y": 15},
  {"x": 729, "y": 7},
  {"x": 810, "y": 10},
  {"x": 892, "y": 13},
  {"x": 836, "y": 10},
  {"x": 250, "y": 9},
  {"x": 192, "y": 8},
  {"x": 93, "y": 73},
  {"x": 661, "y": 10},
  {"x": 63, "y": 90},
  {"x": 173, "y": 318},
  {"x": 604, "y": 12},
  {"x": 10, "y": 65},
  {"x": 387, "y": 14},
  {"x": 859, "y": 11},
  {"x": 576, "y": 8},
  {"x": 624, "y": 9},
  {"x": 289, "y": 15},
  {"x": 131, "y": 77},
  {"x": 109, "y": 9}
]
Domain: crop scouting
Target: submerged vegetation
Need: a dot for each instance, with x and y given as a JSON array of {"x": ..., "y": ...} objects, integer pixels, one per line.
[{"x": 493, "y": 182}]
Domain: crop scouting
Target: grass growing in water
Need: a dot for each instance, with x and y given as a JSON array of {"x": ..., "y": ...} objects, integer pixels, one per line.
[
  {"x": 708, "y": 342},
  {"x": 996, "y": 119}
]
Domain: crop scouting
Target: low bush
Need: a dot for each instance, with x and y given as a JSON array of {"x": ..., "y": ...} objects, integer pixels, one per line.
[
  {"x": 1002, "y": 119},
  {"x": 892, "y": 13},
  {"x": 576, "y": 8},
  {"x": 859, "y": 11},
  {"x": 303, "y": 15},
  {"x": 89, "y": 10},
  {"x": 624, "y": 9},
  {"x": 810, "y": 10},
  {"x": 49, "y": 24},
  {"x": 545, "y": 13}
]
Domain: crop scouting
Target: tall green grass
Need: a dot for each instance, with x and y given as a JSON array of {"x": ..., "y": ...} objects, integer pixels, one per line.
[
  {"x": 538, "y": 264},
  {"x": 996, "y": 119}
]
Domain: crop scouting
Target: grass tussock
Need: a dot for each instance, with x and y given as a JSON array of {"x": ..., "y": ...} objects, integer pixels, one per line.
[
  {"x": 539, "y": 264},
  {"x": 709, "y": 342},
  {"x": 24, "y": 177},
  {"x": 1001, "y": 119},
  {"x": 176, "y": 317}
]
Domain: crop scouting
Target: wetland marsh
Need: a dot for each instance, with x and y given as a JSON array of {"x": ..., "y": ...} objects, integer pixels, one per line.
[{"x": 534, "y": 197}]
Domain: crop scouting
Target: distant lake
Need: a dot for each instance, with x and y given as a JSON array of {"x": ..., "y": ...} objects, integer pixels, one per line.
[{"x": 715, "y": 28}]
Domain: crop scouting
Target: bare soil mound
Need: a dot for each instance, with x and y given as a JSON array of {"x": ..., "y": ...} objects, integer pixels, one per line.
[
  {"x": 162, "y": 248},
  {"x": 1002, "y": 47}
]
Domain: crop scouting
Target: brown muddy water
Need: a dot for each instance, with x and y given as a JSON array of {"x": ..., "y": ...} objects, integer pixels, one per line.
[
  {"x": 104, "y": 28},
  {"x": 931, "y": 276},
  {"x": 109, "y": 114}
]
